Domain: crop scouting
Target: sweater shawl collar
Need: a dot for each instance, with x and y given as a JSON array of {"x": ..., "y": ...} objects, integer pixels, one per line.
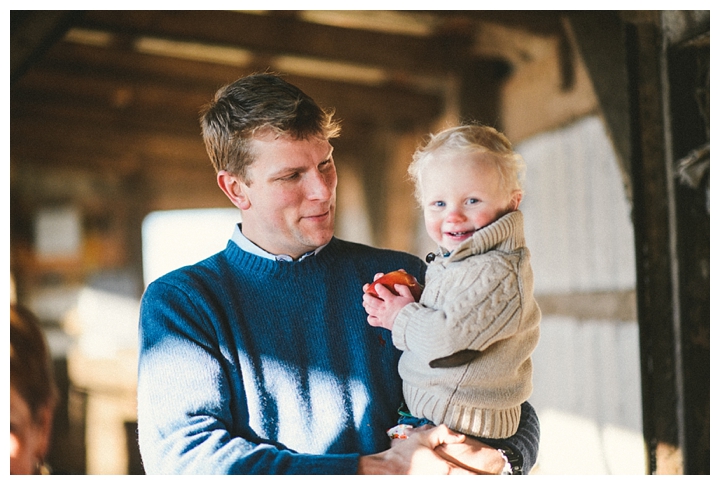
[{"x": 506, "y": 234}]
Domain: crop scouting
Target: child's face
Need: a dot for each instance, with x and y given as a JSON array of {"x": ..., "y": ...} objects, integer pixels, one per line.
[{"x": 461, "y": 193}]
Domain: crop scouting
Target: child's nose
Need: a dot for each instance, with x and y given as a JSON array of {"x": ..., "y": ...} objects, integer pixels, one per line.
[{"x": 455, "y": 215}]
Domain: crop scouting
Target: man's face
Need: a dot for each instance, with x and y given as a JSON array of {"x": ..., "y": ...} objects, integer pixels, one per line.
[{"x": 289, "y": 198}]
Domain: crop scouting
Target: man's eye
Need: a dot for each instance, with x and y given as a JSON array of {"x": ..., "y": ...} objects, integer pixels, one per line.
[{"x": 291, "y": 176}]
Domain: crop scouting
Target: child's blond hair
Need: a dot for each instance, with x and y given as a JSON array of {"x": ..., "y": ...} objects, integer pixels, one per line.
[{"x": 473, "y": 138}]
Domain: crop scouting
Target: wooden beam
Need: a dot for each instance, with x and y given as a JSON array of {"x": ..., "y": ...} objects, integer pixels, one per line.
[
  {"x": 538, "y": 22},
  {"x": 273, "y": 35},
  {"x": 61, "y": 144},
  {"x": 599, "y": 36},
  {"x": 32, "y": 33},
  {"x": 610, "y": 306},
  {"x": 143, "y": 84}
]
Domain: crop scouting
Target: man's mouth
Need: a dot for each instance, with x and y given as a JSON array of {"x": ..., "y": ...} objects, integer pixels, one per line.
[{"x": 319, "y": 216}]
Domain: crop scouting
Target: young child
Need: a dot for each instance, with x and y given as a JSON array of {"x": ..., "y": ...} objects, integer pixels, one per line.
[{"x": 467, "y": 342}]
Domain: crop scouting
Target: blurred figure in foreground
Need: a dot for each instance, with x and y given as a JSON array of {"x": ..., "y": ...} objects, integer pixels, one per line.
[{"x": 33, "y": 394}]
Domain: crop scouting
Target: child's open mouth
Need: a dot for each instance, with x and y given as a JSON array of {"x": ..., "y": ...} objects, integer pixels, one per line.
[{"x": 460, "y": 234}]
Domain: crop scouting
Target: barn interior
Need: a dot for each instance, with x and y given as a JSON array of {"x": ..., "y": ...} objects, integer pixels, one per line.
[{"x": 610, "y": 109}]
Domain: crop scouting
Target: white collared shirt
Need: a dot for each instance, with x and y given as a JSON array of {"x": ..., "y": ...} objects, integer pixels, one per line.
[{"x": 250, "y": 247}]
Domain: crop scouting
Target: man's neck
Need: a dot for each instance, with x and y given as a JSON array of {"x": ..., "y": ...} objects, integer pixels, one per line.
[{"x": 250, "y": 247}]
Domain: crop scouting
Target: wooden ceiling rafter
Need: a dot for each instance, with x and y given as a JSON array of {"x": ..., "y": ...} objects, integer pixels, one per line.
[
  {"x": 260, "y": 34},
  {"x": 96, "y": 76},
  {"x": 98, "y": 147},
  {"x": 32, "y": 33}
]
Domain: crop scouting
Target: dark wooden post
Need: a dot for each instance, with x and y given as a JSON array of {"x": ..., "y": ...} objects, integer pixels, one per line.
[
  {"x": 652, "y": 219},
  {"x": 670, "y": 254}
]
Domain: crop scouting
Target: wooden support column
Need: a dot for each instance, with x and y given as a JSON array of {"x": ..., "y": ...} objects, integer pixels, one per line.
[
  {"x": 672, "y": 255},
  {"x": 688, "y": 65},
  {"x": 653, "y": 220}
]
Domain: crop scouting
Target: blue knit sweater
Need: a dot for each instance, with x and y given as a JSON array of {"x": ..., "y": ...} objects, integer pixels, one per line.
[{"x": 254, "y": 366}]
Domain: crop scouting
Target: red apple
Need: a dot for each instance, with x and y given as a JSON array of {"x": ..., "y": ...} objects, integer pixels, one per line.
[{"x": 399, "y": 277}]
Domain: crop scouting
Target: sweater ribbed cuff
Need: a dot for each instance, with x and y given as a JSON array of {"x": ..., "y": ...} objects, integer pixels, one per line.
[{"x": 462, "y": 417}]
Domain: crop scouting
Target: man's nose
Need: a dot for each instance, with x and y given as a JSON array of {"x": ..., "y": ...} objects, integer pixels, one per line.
[{"x": 320, "y": 185}]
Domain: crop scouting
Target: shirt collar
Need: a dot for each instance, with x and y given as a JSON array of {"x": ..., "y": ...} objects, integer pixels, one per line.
[{"x": 250, "y": 247}]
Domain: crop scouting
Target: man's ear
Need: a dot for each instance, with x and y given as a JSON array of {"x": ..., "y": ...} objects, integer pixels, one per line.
[{"x": 234, "y": 188}]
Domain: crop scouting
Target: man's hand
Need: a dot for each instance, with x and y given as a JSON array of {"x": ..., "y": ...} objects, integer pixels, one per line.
[
  {"x": 473, "y": 455},
  {"x": 416, "y": 455},
  {"x": 469, "y": 454}
]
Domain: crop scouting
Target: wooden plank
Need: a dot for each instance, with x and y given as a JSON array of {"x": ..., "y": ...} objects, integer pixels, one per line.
[{"x": 617, "y": 306}]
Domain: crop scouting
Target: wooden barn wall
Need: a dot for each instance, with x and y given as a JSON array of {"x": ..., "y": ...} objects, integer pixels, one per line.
[
  {"x": 577, "y": 215},
  {"x": 587, "y": 371}
]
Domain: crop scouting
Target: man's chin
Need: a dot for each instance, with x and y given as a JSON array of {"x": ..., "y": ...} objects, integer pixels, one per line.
[
  {"x": 324, "y": 239},
  {"x": 319, "y": 230},
  {"x": 315, "y": 239}
]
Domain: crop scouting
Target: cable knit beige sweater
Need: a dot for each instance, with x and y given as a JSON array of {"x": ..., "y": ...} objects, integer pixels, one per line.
[{"x": 477, "y": 304}]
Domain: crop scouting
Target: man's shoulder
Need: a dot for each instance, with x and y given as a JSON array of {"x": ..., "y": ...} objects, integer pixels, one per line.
[{"x": 209, "y": 268}]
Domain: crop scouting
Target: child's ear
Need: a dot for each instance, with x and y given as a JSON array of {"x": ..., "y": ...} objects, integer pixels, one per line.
[{"x": 515, "y": 200}]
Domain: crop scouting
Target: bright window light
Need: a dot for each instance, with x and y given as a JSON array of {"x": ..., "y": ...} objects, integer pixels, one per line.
[{"x": 172, "y": 239}]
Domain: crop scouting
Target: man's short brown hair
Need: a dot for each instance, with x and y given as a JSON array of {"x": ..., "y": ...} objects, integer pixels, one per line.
[{"x": 254, "y": 103}]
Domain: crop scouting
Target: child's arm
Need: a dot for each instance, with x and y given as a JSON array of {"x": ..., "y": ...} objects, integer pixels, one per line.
[{"x": 480, "y": 304}]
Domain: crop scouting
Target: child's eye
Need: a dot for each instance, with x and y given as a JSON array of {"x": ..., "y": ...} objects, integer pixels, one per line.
[
  {"x": 473, "y": 201},
  {"x": 438, "y": 203}
]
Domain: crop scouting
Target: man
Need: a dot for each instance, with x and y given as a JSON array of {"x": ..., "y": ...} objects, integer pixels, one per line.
[{"x": 259, "y": 359}]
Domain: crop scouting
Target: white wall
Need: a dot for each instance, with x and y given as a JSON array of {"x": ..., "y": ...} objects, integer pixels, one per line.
[
  {"x": 577, "y": 220},
  {"x": 587, "y": 371}
]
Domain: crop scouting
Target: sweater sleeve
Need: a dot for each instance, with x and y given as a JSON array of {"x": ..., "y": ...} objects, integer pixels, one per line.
[
  {"x": 185, "y": 422},
  {"x": 526, "y": 441},
  {"x": 469, "y": 308}
]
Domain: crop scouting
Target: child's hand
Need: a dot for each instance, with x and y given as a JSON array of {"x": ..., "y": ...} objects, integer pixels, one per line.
[
  {"x": 383, "y": 309},
  {"x": 399, "y": 277}
]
